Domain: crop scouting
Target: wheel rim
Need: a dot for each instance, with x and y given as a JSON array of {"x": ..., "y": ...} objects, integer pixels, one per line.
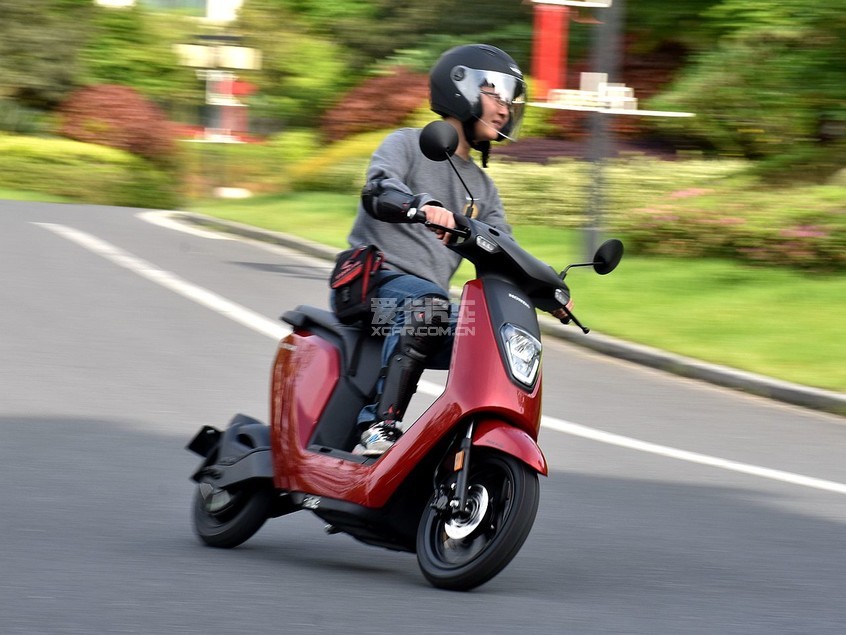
[
  {"x": 459, "y": 540},
  {"x": 221, "y": 504}
]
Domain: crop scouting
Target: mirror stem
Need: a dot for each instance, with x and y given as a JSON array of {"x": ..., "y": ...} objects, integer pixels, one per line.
[
  {"x": 581, "y": 264},
  {"x": 469, "y": 211}
]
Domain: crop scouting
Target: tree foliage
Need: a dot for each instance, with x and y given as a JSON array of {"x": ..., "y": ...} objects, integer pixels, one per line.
[
  {"x": 369, "y": 36},
  {"x": 301, "y": 73},
  {"x": 131, "y": 47},
  {"x": 766, "y": 78},
  {"x": 367, "y": 29},
  {"x": 653, "y": 24},
  {"x": 378, "y": 103},
  {"x": 48, "y": 48},
  {"x": 774, "y": 86},
  {"x": 39, "y": 46}
]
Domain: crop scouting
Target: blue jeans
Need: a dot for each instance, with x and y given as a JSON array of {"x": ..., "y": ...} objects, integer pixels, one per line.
[{"x": 391, "y": 305}]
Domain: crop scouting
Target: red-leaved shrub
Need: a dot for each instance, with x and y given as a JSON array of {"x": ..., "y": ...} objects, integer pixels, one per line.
[
  {"x": 377, "y": 103},
  {"x": 119, "y": 117}
]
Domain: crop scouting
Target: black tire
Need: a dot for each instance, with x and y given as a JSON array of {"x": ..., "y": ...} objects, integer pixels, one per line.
[
  {"x": 227, "y": 518},
  {"x": 512, "y": 503}
]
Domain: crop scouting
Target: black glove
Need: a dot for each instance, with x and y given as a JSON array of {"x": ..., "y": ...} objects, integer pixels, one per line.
[{"x": 394, "y": 206}]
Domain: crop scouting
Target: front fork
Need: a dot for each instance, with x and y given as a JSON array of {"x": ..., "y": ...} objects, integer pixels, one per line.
[{"x": 452, "y": 500}]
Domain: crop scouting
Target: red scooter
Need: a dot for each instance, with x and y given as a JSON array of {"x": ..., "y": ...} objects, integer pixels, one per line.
[{"x": 460, "y": 487}]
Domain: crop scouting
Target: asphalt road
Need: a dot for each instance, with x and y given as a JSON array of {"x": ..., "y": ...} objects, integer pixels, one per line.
[{"x": 672, "y": 506}]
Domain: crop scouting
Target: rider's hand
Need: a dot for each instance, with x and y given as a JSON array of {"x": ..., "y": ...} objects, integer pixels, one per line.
[
  {"x": 439, "y": 216},
  {"x": 560, "y": 313}
]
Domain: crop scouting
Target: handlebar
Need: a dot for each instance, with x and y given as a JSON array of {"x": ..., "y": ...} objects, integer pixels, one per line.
[
  {"x": 420, "y": 217},
  {"x": 466, "y": 232},
  {"x": 457, "y": 231}
]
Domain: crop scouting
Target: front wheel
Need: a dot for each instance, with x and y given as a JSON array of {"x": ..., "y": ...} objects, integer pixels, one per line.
[
  {"x": 462, "y": 552},
  {"x": 225, "y": 518}
]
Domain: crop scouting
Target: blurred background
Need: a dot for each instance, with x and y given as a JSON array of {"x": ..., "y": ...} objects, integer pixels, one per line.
[{"x": 267, "y": 110}]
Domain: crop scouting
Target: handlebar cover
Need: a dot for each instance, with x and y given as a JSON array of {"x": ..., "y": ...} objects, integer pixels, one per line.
[{"x": 394, "y": 206}]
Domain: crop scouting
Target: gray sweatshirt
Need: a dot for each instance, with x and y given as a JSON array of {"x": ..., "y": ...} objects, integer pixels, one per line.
[{"x": 411, "y": 247}]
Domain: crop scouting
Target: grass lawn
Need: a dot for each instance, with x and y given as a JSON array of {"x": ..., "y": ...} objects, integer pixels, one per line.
[
  {"x": 776, "y": 322},
  {"x": 17, "y": 195},
  {"x": 323, "y": 218}
]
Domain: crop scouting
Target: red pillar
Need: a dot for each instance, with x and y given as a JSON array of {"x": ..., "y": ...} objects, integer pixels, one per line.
[{"x": 549, "y": 48}]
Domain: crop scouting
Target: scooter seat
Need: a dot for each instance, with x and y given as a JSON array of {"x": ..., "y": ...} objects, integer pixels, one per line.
[{"x": 304, "y": 316}]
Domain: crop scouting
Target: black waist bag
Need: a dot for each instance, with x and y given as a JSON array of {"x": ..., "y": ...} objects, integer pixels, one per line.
[{"x": 355, "y": 280}]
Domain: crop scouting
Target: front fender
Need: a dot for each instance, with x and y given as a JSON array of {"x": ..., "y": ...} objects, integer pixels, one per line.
[{"x": 499, "y": 435}]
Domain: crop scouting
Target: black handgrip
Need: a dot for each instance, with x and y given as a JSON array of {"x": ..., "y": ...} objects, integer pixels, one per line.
[{"x": 458, "y": 231}]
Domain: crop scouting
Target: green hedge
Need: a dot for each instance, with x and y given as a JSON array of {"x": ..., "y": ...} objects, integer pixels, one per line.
[
  {"x": 341, "y": 167},
  {"x": 557, "y": 194},
  {"x": 799, "y": 227},
  {"x": 262, "y": 168},
  {"x": 688, "y": 208},
  {"x": 84, "y": 172}
]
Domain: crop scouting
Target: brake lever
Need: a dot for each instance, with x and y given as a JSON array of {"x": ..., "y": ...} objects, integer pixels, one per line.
[{"x": 572, "y": 318}]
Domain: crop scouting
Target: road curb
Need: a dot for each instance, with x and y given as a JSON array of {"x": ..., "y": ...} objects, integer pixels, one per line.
[
  {"x": 796, "y": 394},
  {"x": 317, "y": 250},
  {"x": 761, "y": 385}
]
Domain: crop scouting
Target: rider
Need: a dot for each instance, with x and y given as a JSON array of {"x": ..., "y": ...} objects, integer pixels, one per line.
[{"x": 480, "y": 90}]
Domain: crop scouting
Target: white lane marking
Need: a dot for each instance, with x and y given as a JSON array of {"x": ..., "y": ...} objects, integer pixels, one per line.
[
  {"x": 578, "y": 430},
  {"x": 277, "y": 331},
  {"x": 166, "y": 219},
  {"x": 163, "y": 219},
  {"x": 202, "y": 296}
]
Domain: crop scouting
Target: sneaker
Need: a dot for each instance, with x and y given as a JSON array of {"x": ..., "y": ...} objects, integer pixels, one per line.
[{"x": 378, "y": 439}]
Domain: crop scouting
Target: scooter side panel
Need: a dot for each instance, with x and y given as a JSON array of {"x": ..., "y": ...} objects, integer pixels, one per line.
[{"x": 304, "y": 375}]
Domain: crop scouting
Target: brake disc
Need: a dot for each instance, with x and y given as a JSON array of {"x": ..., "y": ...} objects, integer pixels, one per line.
[{"x": 462, "y": 525}]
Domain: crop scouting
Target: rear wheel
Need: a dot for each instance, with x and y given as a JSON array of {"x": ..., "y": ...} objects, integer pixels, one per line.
[
  {"x": 462, "y": 552},
  {"x": 227, "y": 517}
]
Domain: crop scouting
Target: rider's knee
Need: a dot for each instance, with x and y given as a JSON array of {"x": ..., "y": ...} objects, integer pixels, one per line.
[{"x": 427, "y": 325}]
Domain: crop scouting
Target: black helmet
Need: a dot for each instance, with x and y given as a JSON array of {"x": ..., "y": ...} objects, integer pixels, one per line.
[{"x": 458, "y": 77}]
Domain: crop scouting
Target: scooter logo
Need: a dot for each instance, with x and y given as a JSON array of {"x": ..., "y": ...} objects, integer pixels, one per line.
[{"x": 520, "y": 300}]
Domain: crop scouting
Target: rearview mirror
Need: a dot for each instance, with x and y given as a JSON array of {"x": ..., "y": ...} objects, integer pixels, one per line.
[
  {"x": 608, "y": 256},
  {"x": 438, "y": 141}
]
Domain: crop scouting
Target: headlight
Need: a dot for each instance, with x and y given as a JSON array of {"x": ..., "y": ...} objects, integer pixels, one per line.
[{"x": 523, "y": 352}]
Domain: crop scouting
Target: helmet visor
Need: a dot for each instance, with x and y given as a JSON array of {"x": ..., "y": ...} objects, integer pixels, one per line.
[{"x": 507, "y": 89}]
